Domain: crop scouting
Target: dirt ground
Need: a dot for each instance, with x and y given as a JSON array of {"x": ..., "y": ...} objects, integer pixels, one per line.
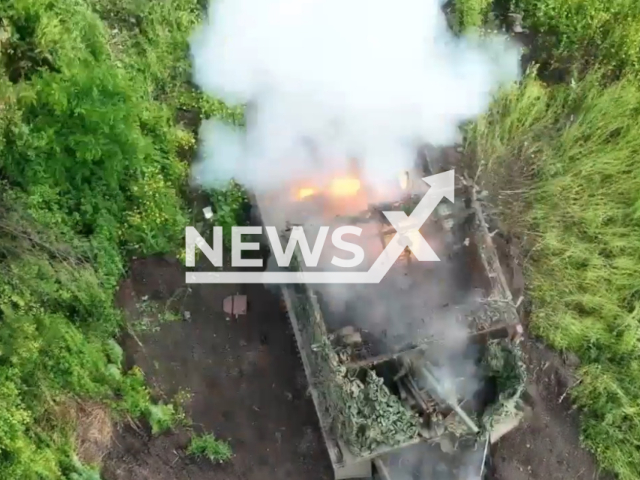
[
  {"x": 246, "y": 381},
  {"x": 248, "y": 386},
  {"x": 547, "y": 446}
]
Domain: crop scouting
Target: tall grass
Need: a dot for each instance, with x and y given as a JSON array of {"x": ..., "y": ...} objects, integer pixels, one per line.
[
  {"x": 563, "y": 163},
  {"x": 580, "y": 208}
]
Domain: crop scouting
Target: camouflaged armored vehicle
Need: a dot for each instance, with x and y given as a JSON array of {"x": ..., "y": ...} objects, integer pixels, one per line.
[{"x": 415, "y": 377}]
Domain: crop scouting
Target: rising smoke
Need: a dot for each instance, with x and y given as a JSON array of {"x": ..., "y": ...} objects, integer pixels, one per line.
[
  {"x": 326, "y": 81},
  {"x": 330, "y": 80}
]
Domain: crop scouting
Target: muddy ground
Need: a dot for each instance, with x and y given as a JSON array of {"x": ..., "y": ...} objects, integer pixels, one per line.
[{"x": 248, "y": 386}]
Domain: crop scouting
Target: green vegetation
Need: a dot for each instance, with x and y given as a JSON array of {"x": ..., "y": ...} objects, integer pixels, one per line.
[
  {"x": 230, "y": 208},
  {"x": 161, "y": 418},
  {"x": 93, "y": 169},
  {"x": 208, "y": 446},
  {"x": 581, "y": 142},
  {"x": 84, "y": 472},
  {"x": 152, "y": 315},
  {"x": 561, "y": 161},
  {"x": 93, "y": 165},
  {"x": 602, "y": 32},
  {"x": 470, "y": 14}
]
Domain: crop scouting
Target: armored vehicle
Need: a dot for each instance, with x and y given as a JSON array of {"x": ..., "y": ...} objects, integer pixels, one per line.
[{"x": 414, "y": 377}]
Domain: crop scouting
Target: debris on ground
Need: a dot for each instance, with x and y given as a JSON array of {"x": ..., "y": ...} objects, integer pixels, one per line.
[{"x": 235, "y": 305}]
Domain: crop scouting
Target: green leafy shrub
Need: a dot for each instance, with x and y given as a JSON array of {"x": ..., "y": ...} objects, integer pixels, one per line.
[
  {"x": 230, "y": 206},
  {"x": 208, "y": 446},
  {"x": 161, "y": 417},
  {"x": 92, "y": 168}
]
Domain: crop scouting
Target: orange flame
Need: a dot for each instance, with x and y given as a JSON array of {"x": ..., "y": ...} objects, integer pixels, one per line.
[
  {"x": 344, "y": 187},
  {"x": 404, "y": 180},
  {"x": 338, "y": 187},
  {"x": 305, "y": 192}
]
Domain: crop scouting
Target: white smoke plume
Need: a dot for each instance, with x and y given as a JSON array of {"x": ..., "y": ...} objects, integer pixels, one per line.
[
  {"x": 329, "y": 80},
  {"x": 424, "y": 461}
]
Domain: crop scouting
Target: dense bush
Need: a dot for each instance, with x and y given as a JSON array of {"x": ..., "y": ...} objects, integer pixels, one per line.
[
  {"x": 606, "y": 32},
  {"x": 91, "y": 140},
  {"x": 92, "y": 164}
]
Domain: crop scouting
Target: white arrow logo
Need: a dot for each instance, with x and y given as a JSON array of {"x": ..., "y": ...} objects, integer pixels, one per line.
[{"x": 407, "y": 235}]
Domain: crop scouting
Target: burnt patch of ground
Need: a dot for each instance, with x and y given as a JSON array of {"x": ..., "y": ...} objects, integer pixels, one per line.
[{"x": 246, "y": 382}]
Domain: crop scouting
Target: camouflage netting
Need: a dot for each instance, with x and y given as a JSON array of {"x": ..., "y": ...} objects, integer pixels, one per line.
[
  {"x": 363, "y": 413},
  {"x": 374, "y": 417},
  {"x": 503, "y": 360},
  {"x": 358, "y": 408},
  {"x": 489, "y": 312}
]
